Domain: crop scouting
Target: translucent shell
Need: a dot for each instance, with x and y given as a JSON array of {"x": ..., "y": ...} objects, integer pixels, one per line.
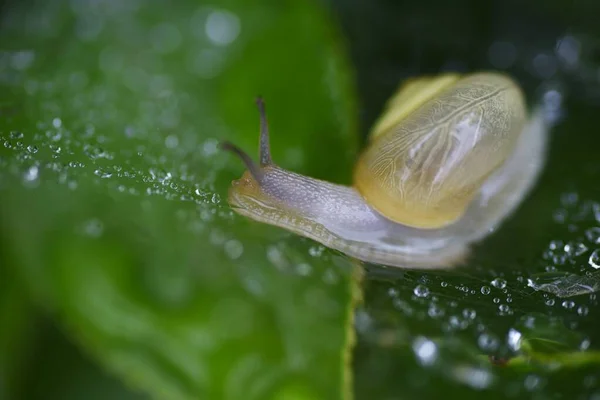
[{"x": 436, "y": 144}]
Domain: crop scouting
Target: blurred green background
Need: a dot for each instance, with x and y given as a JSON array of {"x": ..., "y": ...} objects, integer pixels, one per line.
[{"x": 125, "y": 275}]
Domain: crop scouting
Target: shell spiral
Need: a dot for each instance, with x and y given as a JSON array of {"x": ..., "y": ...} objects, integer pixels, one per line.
[{"x": 437, "y": 143}]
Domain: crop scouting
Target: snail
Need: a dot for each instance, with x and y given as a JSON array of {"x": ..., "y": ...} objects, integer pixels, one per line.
[{"x": 451, "y": 157}]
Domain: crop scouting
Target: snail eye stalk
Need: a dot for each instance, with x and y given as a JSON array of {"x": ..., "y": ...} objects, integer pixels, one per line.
[
  {"x": 246, "y": 159},
  {"x": 265, "y": 148}
]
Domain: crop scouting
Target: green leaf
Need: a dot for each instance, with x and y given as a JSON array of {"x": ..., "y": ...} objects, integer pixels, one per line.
[
  {"x": 112, "y": 190},
  {"x": 18, "y": 319}
]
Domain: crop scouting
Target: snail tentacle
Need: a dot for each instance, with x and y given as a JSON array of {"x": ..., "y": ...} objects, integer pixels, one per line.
[
  {"x": 265, "y": 147},
  {"x": 254, "y": 169}
]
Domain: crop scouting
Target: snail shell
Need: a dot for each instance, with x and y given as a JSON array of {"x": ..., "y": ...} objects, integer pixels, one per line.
[
  {"x": 451, "y": 157},
  {"x": 428, "y": 157}
]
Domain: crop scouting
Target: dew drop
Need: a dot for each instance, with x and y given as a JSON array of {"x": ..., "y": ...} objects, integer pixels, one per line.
[
  {"x": 469, "y": 313},
  {"x": 583, "y": 310},
  {"x": 421, "y": 291},
  {"x": 568, "y": 304},
  {"x": 594, "y": 259},
  {"x": 16, "y": 135},
  {"x": 316, "y": 251},
  {"x": 93, "y": 228},
  {"x": 456, "y": 323},
  {"x": 425, "y": 350},
  {"x": 234, "y": 249},
  {"x": 532, "y": 382},
  {"x": 577, "y": 249},
  {"x": 593, "y": 235},
  {"x": 57, "y": 122},
  {"x": 514, "y": 339},
  {"x": 31, "y": 174},
  {"x": 222, "y": 27},
  {"x": 171, "y": 141},
  {"x": 102, "y": 174},
  {"x": 330, "y": 277},
  {"x": 303, "y": 269},
  {"x": 487, "y": 342},
  {"x": 32, "y": 149},
  {"x": 485, "y": 290},
  {"x": 499, "y": 283},
  {"x": 435, "y": 311}
]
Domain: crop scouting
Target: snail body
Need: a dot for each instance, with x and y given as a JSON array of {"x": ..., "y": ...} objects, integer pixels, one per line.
[{"x": 450, "y": 159}]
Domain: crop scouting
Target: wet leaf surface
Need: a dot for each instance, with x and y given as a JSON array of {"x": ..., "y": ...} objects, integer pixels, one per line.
[{"x": 113, "y": 192}]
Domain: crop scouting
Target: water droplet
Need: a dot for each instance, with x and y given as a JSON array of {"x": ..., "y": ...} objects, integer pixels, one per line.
[
  {"x": 210, "y": 147},
  {"x": 31, "y": 174},
  {"x": 425, "y": 350},
  {"x": 583, "y": 310},
  {"x": 475, "y": 377},
  {"x": 421, "y": 291},
  {"x": 16, "y": 135},
  {"x": 594, "y": 259},
  {"x": 222, "y": 27},
  {"x": 234, "y": 249},
  {"x": 32, "y": 149},
  {"x": 171, "y": 141},
  {"x": 93, "y": 228},
  {"x": 576, "y": 249},
  {"x": 593, "y": 235},
  {"x": 514, "y": 339},
  {"x": 330, "y": 277},
  {"x": 532, "y": 382},
  {"x": 102, "y": 174},
  {"x": 57, "y": 122},
  {"x": 217, "y": 237},
  {"x": 568, "y": 304},
  {"x": 303, "y": 269},
  {"x": 215, "y": 199},
  {"x": 435, "y": 311},
  {"x": 487, "y": 342},
  {"x": 569, "y": 199},
  {"x": 444, "y": 284},
  {"x": 316, "y": 251},
  {"x": 568, "y": 49},
  {"x": 485, "y": 290},
  {"x": 504, "y": 308},
  {"x": 275, "y": 256},
  {"x": 456, "y": 323},
  {"x": 469, "y": 313},
  {"x": 550, "y": 302},
  {"x": 499, "y": 283}
]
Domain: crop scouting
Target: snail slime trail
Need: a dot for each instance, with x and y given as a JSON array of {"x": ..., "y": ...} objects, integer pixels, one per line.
[{"x": 450, "y": 158}]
